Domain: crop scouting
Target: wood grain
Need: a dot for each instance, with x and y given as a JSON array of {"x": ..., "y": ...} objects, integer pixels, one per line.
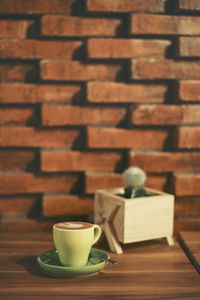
[
  {"x": 135, "y": 219},
  {"x": 146, "y": 270},
  {"x": 190, "y": 242}
]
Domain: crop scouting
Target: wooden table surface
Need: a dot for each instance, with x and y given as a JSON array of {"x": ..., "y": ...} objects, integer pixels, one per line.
[
  {"x": 190, "y": 242},
  {"x": 147, "y": 270}
]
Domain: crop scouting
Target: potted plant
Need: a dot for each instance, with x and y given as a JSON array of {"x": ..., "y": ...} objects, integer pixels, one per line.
[
  {"x": 134, "y": 178},
  {"x": 134, "y": 213}
]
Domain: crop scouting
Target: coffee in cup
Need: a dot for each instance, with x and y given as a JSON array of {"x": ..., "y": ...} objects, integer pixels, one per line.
[{"x": 73, "y": 241}]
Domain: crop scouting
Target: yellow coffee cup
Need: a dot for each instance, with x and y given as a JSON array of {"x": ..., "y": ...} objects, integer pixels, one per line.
[{"x": 73, "y": 241}]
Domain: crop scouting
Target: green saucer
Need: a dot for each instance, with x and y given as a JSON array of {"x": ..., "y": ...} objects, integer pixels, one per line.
[{"x": 50, "y": 264}]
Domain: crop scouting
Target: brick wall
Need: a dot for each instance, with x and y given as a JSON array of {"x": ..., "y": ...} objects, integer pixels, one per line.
[{"x": 89, "y": 88}]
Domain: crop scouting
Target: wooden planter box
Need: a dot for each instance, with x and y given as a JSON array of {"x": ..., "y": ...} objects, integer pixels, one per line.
[{"x": 136, "y": 219}]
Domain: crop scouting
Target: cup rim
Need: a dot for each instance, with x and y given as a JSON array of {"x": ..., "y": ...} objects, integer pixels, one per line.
[{"x": 77, "y": 229}]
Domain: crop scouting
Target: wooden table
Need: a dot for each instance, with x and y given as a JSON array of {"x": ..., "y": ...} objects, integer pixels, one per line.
[
  {"x": 147, "y": 270},
  {"x": 190, "y": 242}
]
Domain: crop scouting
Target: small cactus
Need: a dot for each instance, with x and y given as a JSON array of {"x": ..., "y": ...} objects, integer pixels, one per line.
[{"x": 134, "y": 178}]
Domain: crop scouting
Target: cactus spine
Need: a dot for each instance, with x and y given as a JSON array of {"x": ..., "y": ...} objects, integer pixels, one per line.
[{"x": 134, "y": 179}]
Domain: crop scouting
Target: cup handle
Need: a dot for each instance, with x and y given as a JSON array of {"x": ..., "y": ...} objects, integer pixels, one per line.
[{"x": 97, "y": 233}]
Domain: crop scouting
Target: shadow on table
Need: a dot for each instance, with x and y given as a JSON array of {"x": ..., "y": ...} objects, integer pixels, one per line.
[
  {"x": 141, "y": 246},
  {"x": 31, "y": 265}
]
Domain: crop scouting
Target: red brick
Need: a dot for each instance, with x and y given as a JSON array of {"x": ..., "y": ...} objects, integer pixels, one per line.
[
  {"x": 189, "y": 46},
  {"x": 126, "y": 138},
  {"x": 165, "y": 25},
  {"x": 187, "y": 206},
  {"x": 54, "y": 115},
  {"x": 17, "y": 116},
  {"x": 16, "y": 206},
  {"x": 14, "y": 28},
  {"x": 33, "y": 49},
  {"x": 126, "y": 48},
  {"x": 95, "y": 181},
  {"x": 52, "y": 161},
  {"x": 187, "y": 184},
  {"x": 126, "y": 5},
  {"x": 158, "y": 162},
  {"x": 165, "y": 69},
  {"x": 15, "y": 160},
  {"x": 60, "y": 205},
  {"x": 75, "y": 26},
  {"x": 20, "y": 136},
  {"x": 17, "y": 71},
  {"x": 188, "y": 137},
  {"x": 189, "y": 90},
  {"x": 159, "y": 114},
  {"x": 111, "y": 92},
  {"x": 186, "y": 225},
  {"x": 158, "y": 182},
  {"x": 20, "y": 183},
  {"x": 189, "y": 5},
  {"x": 18, "y": 225},
  {"x": 36, "y": 6},
  {"x": 38, "y": 93},
  {"x": 74, "y": 70}
]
